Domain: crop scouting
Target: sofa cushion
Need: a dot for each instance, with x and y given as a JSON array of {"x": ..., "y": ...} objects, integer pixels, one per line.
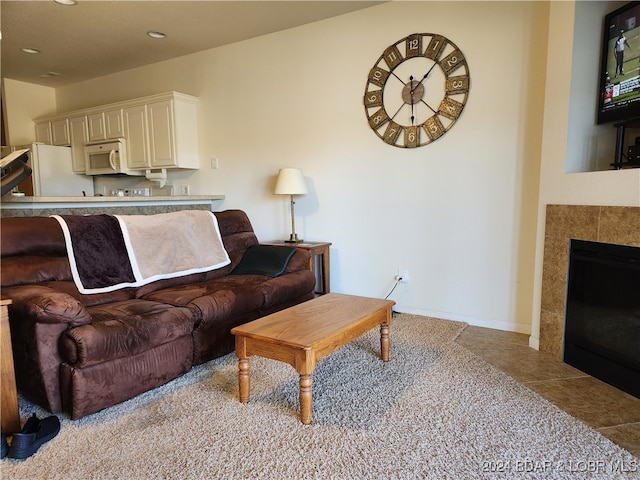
[
  {"x": 216, "y": 299},
  {"x": 24, "y": 270},
  {"x": 281, "y": 289},
  {"x": 89, "y": 300},
  {"x": 123, "y": 329},
  {"x": 268, "y": 260},
  {"x": 32, "y": 236}
]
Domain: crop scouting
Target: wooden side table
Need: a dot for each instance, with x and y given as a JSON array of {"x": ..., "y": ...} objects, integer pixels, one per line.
[
  {"x": 9, "y": 412},
  {"x": 316, "y": 248}
]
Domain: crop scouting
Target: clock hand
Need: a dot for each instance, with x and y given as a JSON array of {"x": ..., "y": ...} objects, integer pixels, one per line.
[
  {"x": 399, "y": 79},
  {"x": 397, "y": 111},
  {"x": 429, "y": 107},
  {"x": 424, "y": 77},
  {"x": 412, "y": 102}
]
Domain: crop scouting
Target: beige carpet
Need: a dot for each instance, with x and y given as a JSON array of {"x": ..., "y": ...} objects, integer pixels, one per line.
[{"x": 434, "y": 411}]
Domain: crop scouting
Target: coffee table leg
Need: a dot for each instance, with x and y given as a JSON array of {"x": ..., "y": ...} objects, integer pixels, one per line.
[
  {"x": 306, "y": 398},
  {"x": 244, "y": 381},
  {"x": 384, "y": 342}
]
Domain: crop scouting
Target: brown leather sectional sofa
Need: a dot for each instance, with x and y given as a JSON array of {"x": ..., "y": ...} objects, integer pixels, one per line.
[{"x": 79, "y": 353}]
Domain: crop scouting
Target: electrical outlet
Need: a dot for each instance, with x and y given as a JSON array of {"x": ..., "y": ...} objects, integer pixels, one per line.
[
  {"x": 214, "y": 163},
  {"x": 184, "y": 190},
  {"x": 403, "y": 275}
]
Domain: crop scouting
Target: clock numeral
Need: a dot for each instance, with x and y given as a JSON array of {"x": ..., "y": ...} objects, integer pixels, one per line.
[
  {"x": 459, "y": 84},
  {"x": 411, "y": 137},
  {"x": 392, "y": 56},
  {"x": 378, "y": 76},
  {"x": 451, "y": 61},
  {"x": 435, "y": 47},
  {"x": 414, "y": 45},
  {"x": 450, "y": 108},
  {"x": 433, "y": 127},
  {"x": 373, "y": 98},
  {"x": 378, "y": 119},
  {"x": 392, "y": 133}
]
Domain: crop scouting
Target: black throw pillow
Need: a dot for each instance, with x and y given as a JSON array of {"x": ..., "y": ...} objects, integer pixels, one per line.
[{"x": 268, "y": 260}]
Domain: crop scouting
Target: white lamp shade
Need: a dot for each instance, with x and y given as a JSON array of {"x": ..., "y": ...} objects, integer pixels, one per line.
[{"x": 291, "y": 182}]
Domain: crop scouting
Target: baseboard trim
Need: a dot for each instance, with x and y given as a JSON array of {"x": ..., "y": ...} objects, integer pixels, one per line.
[{"x": 476, "y": 321}]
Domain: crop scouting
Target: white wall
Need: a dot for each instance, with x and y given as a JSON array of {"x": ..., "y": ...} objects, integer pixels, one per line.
[
  {"x": 22, "y": 103},
  {"x": 458, "y": 214}
]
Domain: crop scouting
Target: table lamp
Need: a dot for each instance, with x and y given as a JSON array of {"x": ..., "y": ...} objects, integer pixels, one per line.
[{"x": 291, "y": 182}]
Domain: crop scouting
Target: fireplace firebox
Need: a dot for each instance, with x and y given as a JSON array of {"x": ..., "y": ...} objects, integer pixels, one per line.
[{"x": 602, "y": 323}]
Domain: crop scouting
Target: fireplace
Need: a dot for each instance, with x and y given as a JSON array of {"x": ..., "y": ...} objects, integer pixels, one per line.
[{"x": 602, "y": 323}]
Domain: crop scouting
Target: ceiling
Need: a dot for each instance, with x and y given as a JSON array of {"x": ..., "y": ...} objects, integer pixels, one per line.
[{"x": 95, "y": 38}]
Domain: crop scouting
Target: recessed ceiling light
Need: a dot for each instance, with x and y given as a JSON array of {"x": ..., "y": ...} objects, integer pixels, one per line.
[
  {"x": 30, "y": 50},
  {"x": 153, "y": 34},
  {"x": 66, "y": 2},
  {"x": 50, "y": 74}
]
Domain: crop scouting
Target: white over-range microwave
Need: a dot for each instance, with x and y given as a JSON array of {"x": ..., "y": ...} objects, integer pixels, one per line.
[{"x": 107, "y": 158}]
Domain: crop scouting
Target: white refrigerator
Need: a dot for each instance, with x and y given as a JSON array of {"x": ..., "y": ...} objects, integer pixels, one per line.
[{"x": 53, "y": 172}]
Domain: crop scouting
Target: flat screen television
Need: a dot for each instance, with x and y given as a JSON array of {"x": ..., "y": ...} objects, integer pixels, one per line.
[{"x": 619, "y": 94}]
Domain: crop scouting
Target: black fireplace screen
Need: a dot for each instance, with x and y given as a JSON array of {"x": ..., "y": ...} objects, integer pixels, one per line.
[{"x": 602, "y": 323}]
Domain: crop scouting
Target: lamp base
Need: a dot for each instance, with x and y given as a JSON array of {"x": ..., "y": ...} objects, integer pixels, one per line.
[{"x": 293, "y": 239}]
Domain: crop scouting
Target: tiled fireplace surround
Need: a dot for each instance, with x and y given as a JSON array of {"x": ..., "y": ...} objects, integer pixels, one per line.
[{"x": 619, "y": 225}]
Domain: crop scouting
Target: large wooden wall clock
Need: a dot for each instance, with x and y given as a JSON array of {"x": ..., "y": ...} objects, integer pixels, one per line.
[{"x": 416, "y": 90}]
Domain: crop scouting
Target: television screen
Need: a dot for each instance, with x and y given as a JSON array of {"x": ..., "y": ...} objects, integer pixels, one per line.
[{"x": 619, "y": 94}]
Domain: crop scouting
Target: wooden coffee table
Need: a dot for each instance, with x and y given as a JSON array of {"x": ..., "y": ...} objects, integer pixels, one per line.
[{"x": 305, "y": 333}]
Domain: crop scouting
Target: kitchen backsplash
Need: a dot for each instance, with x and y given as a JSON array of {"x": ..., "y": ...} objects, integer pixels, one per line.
[{"x": 123, "y": 186}]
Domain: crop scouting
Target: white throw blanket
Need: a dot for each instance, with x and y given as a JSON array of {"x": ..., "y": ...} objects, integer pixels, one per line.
[
  {"x": 165, "y": 245},
  {"x": 172, "y": 244}
]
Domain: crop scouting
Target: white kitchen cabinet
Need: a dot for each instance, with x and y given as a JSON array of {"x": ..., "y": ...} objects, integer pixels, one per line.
[
  {"x": 170, "y": 134},
  {"x": 95, "y": 123},
  {"x": 114, "y": 125},
  {"x": 160, "y": 131},
  {"x": 105, "y": 125},
  {"x": 161, "y": 134},
  {"x": 60, "y": 132},
  {"x": 43, "y": 133},
  {"x": 173, "y": 133},
  {"x": 135, "y": 134},
  {"x": 79, "y": 137}
]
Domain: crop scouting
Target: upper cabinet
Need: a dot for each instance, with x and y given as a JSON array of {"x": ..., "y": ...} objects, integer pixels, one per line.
[
  {"x": 137, "y": 139},
  {"x": 173, "y": 137},
  {"x": 160, "y": 131},
  {"x": 43, "y": 133},
  {"x": 79, "y": 138},
  {"x": 105, "y": 125},
  {"x": 54, "y": 132},
  {"x": 114, "y": 126},
  {"x": 60, "y": 132},
  {"x": 95, "y": 123}
]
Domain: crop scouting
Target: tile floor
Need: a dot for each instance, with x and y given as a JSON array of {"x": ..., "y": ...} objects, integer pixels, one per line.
[{"x": 614, "y": 413}]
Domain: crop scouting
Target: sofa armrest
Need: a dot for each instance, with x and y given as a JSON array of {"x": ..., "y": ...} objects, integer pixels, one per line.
[
  {"x": 299, "y": 260},
  {"x": 46, "y": 305},
  {"x": 39, "y": 315}
]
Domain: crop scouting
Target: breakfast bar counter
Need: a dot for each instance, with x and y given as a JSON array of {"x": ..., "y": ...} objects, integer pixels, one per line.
[{"x": 11, "y": 206}]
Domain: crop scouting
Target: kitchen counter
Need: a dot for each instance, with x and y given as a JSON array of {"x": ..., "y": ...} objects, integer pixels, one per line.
[{"x": 12, "y": 206}]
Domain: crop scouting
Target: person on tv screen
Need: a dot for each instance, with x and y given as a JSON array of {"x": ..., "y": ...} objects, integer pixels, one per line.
[
  {"x": 618, "y": 50},
  {"x": 608, "y": 89}
]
